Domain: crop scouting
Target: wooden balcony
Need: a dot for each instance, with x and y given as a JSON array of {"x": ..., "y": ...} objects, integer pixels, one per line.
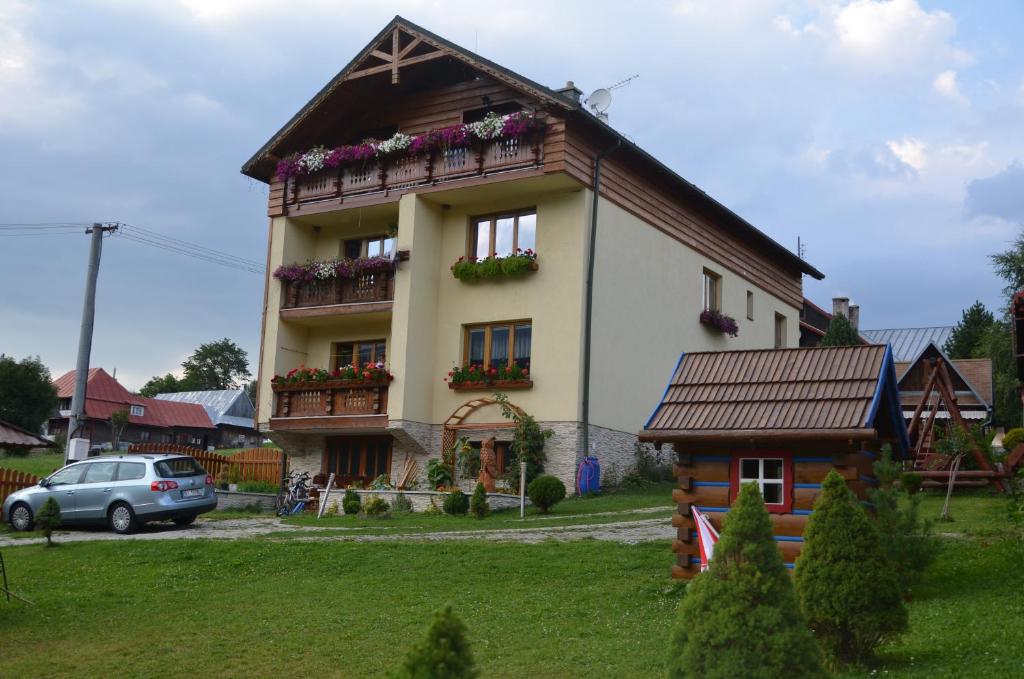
[
  {"x": 333, "y": 186},
  {"x": 334, "y": 404},
  {"x": 370, "y": 292}
]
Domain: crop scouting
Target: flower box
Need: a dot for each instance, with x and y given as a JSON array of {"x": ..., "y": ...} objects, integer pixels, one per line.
[
  {"x": 309, "y": 385},
  {"x": 341, "y": 378},
  {"x": 716, "y": 320},
  {"x": 492, "y": 384},
  {"x": 471, "y": 269}
]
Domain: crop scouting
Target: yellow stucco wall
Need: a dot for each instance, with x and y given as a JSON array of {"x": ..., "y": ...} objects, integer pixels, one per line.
[{"x": 647, "y": 299}]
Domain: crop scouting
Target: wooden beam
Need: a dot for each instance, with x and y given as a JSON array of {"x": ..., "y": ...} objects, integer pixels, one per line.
[
  {"x": 924, "y": 400},
  {"x": 394, "y": 56},
  {"x": 732, "y": 435},
  {"x": 410, "y": 47},
  {"x": 382, "y": 55},
  {"x": 372, "y": 70}
]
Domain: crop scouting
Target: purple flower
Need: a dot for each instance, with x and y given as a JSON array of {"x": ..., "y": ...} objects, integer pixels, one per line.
[
  {"x": 520, "y": 124},
  {"x": 289, "y": 166},
  {"x": 456, "y": 135}
]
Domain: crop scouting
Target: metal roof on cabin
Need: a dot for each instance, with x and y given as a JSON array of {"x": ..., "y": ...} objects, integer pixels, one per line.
[
  {"x": 772, "y": 390},
  {"x": 908, "y": 343},
  {"x": 218, "y": 404}
]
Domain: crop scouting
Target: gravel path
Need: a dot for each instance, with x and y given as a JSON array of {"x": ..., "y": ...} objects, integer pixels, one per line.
[{"x": 628, "y": 532}]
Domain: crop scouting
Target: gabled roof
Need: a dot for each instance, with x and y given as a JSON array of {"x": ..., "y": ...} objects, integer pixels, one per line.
[
  {"x": 99, "y": 385},
  {"x": 226, "y": 406},
  {"x": 259, "y": 165},
  {"x": 908, "y": 343},
  {"x": 837, "y": 392},
  {"x": 11, "y": 435},
  {"x": 971, "y": 375}
]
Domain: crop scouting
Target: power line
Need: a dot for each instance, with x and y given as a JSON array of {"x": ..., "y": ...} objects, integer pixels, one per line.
[
  {"x": 147, "y": 233},
  {"x": 196, "y": 252}
]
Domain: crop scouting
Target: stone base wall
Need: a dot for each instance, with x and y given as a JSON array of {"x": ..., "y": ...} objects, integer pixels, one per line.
[
  {"x": 420, "y": 499},
  {"x": 227, "y": 500}
]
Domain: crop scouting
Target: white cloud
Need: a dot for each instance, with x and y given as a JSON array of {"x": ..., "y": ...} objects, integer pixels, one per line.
[
  {"x": 911, "y": 151},
  {"x": 946, "y": 84}
]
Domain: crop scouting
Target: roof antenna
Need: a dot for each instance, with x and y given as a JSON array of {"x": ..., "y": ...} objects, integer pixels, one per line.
[{"x": 601, "y": 98}]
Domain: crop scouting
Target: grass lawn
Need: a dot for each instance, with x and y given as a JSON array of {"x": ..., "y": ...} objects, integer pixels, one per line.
[{"x": 38, "y": 464}]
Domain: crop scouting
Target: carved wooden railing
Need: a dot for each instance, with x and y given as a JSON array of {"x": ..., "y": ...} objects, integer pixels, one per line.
[
  {"x": 331, "y": 398},
  {"x": 440, "y": 165},
  {"x": 369, "y": 287}
]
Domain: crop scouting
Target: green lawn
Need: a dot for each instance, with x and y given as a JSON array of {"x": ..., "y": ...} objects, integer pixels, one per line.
[
  {"x": 38, "y": 464},
  {"x": 282, "y": 608}
]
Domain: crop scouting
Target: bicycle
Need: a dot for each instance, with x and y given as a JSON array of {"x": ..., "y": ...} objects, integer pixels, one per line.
[{"x": 295, "y": 499}]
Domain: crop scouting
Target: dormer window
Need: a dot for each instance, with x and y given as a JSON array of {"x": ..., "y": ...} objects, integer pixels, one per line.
[{"x": 137, "y": 411}]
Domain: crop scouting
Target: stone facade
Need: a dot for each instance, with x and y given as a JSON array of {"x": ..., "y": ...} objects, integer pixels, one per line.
[
  {"x": 420, "y": 499},
  {"x": 227, "y": 499}
]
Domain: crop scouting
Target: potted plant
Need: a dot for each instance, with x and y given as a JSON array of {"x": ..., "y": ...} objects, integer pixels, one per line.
[
  {"x": 713, "y": 318},
  {"x": 475, "y": 376}
]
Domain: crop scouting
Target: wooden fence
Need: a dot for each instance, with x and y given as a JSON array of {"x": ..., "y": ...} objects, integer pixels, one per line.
[
  {"x": 253, "y": 464},
  {"x": 11, "y": 481}
]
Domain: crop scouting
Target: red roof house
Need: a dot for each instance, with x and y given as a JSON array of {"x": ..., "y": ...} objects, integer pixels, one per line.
[{"x": 149, "y": 419}]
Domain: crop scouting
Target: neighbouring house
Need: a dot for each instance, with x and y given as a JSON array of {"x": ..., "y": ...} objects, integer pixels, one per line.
[
  {"x": 14, "y": 438},
  {"x": 782, "y": 419},
  {"x": 814, "y": 320},
  {"x": 149, "y": 420},
  {"x": 231, "y": 411},
  {"x": 412, "y": 277}
]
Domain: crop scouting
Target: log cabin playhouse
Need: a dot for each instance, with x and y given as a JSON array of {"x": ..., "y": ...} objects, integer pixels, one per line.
[
  {"x": 471, "y": 159},
  {"x": 781, "y": 419}
]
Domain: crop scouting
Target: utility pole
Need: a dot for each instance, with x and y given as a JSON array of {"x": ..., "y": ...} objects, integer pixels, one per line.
[{"x": 78, "y": 446}]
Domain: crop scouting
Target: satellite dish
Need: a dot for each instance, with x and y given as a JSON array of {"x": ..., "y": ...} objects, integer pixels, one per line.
[{"x": 599, "y": 100}]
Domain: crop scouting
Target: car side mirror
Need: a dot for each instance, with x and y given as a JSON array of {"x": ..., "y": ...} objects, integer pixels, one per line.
[{"x": 45, "y": 483}]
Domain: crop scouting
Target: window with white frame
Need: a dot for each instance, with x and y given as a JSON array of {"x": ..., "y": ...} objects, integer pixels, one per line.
[
  {"x": 711, "y": 290},
  {"x": 767, "y": 474},
  {"x": 138, "y": 411}
]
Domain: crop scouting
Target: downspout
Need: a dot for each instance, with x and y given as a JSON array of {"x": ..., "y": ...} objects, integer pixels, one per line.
[{"x": 588, "y": 314}]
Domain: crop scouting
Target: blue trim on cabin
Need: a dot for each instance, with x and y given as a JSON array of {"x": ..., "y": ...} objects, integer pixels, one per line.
[
  {"x": 888, "y": 386},
  {"x": 790, "y": 566},
  {"x": 712, "y": 509},
  {"x": 827, "y": 460},
  {"x": 712, "y": 484},
  {"x": 807, "y": 485},
  {"x": 713, "y": 458},
  {"x": 868, "y": 479},
  {"x": 876, "y": 400},
  {"x": 868, "y": 454},
  {"x": 668, "y": 386},
  {"x": 802, "y": 512},
  {"x": 777, "y": 538},
  {"x": 696, "y": 560}
]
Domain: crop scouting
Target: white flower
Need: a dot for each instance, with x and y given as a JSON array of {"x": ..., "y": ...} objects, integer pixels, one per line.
[
  {"x": 488, "y": 128},
  {"x": 323, "y": 270},
  {"x": 398, "y": 142},
  {"x": 313, "y": 159}
]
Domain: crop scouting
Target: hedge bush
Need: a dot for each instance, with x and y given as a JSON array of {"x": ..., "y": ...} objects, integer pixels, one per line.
[
  {"x": 741, "y": 618},
  {"x": 478, "y": 503},
  {"x": 444, "y": 654},
  {"x": 844, "y": 581},
  {"x": 545, "y": 492},
  {"x": 351, "y": 502},
  {"x": 456, "y": 503},
  {"x": 376, "y": 506}
]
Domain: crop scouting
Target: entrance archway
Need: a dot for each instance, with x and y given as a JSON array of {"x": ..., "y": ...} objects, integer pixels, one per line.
[{"x": 455, "y": 421}]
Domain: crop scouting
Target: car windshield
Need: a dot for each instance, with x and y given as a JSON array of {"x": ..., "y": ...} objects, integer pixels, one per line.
[{"x": 177, "y": 467}]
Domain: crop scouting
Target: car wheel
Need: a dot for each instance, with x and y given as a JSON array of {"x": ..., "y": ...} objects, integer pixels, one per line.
[
  {"x": 184, "y": 520},
  {"x": 122, "y": 518},
  {"x": 21, "y": 517}
]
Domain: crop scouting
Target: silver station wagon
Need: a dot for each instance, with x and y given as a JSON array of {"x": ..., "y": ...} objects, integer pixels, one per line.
[{"x": 122, "y": 491}]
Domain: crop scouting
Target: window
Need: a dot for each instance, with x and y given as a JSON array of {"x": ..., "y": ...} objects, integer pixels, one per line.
[
  {"x": 67, "y": 475},
  {"x": 64, "y": 404},
  {"x": 130, "y": 471},
  {"x": 503, "y": 234},
  {"x": 374, "y": 246},
  {"x": 357, "y": 458},
  {"x": 179, "y": 467},
  {"x": 712, "y": 291},
  {"x": 750, "y": 305},
  {"x": 138, "y": 411},
  {"x": 772, "y": 472},
  {"x": 780, "y": 331},
  {"x": 498, "y": 344},
  {"x": 358, "y": 354},
  {"x": 143, "y": 436},
  {"x": 99, "y": 472}
]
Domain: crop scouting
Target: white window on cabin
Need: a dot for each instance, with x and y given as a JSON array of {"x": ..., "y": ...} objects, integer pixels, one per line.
[
  {"x": 767, "y": 474},
  {"x": 138, "y": 411}
]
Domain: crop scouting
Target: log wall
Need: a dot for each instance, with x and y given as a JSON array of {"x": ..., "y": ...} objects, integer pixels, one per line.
[{"x": 703, "y": 477}]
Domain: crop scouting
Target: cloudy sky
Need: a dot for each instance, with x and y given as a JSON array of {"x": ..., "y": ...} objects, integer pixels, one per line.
[{"x": 887, "y": 135}]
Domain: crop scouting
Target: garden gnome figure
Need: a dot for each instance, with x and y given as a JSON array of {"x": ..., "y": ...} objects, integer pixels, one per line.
[{"x": 487, "y": 461}]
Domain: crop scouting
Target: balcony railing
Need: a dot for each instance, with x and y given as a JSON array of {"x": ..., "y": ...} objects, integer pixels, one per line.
[
  {"x": 333, "y": 398},
  {"x": 441, "y": 165},
  {"x": 369, "y": 287}
]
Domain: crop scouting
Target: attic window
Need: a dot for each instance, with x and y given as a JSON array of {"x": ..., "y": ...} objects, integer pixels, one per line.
[
  {"x": 477, "y": 114},
  {"x": 137, "y": 411}
]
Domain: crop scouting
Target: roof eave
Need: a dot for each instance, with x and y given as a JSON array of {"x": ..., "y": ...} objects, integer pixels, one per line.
[{"x": 709, "y": 435}]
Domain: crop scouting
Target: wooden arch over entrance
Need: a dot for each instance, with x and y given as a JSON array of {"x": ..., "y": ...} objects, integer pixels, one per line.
[{"x": 454, "y": 421}]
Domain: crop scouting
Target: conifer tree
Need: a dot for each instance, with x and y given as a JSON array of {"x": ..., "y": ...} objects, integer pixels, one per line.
[
  {"x": 846, "y": 586},
  {"x": 840, "y": 333},
  {"x": 444, "y": 654},
  {"x": 969, "y": 333},
  {"x": 478, "y": 503},
  {"x": 741, "y": 618},
  {"x": 48, "y": 519}
]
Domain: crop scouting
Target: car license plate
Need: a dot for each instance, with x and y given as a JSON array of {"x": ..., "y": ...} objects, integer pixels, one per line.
[{"x": 192, "y": 492}]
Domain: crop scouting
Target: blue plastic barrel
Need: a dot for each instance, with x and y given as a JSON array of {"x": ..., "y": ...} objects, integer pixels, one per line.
[{"x": 588, "y": 476}]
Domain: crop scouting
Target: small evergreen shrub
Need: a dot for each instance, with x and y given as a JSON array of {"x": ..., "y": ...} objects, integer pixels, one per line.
[
  {"x": 48, "y": 519},
  {"x": 332, "y": 510},
  {"x": 545, "y": 492},
  {"x": 844, "y": 581},
  {"x": 741, "y": 618},
  {"x": 376, "y": 507},
  {"x": 478, "y": 503},
  {"x": 906, "y": 540},
  {"x": 911, "y": 483},
  {"x": 401, "y": 504},
  {"x": 432, "y": 508},
  {"x": 351, "y": 502},
  {"x": 1012, "y": 438},
  {"x": 444, "y": 654},
  {"x": 456, "y": 503}
]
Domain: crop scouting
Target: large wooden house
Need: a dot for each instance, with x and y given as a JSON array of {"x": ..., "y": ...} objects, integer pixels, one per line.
[
  {"x": 422, "y": 164},
  {"x": 781, "y": 419}
]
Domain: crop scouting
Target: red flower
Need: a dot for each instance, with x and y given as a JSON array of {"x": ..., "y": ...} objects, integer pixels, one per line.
[
  {"x": 366, "y": 374},
  {"x": 526, "y": 371}
]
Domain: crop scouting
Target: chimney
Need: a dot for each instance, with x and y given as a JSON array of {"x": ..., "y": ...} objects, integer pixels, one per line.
[
  {"x": 855, "y": 316},
  {"x": 841, "y": 306},
  {"x": 570, "y": 90}
]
